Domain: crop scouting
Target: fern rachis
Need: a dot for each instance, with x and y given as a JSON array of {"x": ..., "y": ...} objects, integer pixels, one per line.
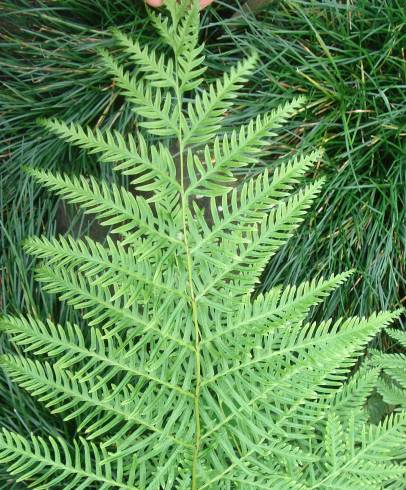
[{"x": 180, "y": 377}]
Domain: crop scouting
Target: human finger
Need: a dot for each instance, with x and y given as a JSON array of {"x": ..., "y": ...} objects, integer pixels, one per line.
[
  {"x": 155, "y": 3},
  {"x": 205, "y": 3}
]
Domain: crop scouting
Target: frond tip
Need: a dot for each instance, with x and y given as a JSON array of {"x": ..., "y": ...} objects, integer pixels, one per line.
[{"x": 179, "y": 374}]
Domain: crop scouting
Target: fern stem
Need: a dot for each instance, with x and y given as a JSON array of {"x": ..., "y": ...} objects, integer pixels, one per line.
[
  {"x": 195, "y": 323},
  {"x": 193, "y": 301}
]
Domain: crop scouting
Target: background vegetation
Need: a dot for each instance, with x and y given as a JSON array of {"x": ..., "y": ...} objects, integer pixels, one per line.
[{"x": 347, "y": 57}]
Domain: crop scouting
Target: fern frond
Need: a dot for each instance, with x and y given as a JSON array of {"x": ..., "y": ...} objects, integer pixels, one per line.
[
  {"x": 353, "y": 395},
  {"x": 274, "y": 308},
  {"x": 61, "y": 392},
  {"x": 239, "y": 149},
  {"x": 105, "y": 266},
  {"x": 164, "y": 27},
  {"x": 359, "y": 459},
  {"x": 69, "y": 349},
  {"x": 179, "y": 373},
  {"x": 103, "y": 308},
  {"x": 188, "y": 52},
  {"x": 161, "y": 117},
  {"x": 312, "y": 336},
  {"x": 397, "y": 335},
  {"x": 154, "y": 164},
  {"x": 208, "y": 109},
  {"x": 334, "y": 442},
  {"x": 182, "y": 36},
  {"x": 325, "y": 348},
  {"x": 127, "y": 215},
  {"x": 50, "y": 462},
  {"x": 159, "y": 71},
  {"x": 398, "y": 374},
  {"x": 190, "y": 68},
  {"x": 391, "y": 393},
  {"x": 392, "y": 386},
  {"x": 245, "y": 262},
  {"x": 289, "y": 409},
  {"x": 245, "y": 207}
]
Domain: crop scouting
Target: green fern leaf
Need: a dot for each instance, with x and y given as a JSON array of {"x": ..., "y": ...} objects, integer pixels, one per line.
[
  {"x": 160, "y": 72},
  {"x": 160, "y": 116},
  {"x": 392, "y": 386},
  {"x": 116, "y": 207},
  {"x": 237, "y": 150},
  {"x": 52, "y": 462},
  {"x": 153, "y": 168},
  {"x": 208, "y": 109},
  {"x": 181, "y": 374}
]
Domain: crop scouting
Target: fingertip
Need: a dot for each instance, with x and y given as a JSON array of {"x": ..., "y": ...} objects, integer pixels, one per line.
[
  {"x": 205, "y": 3},
  {"x": 155, "y": 3}
]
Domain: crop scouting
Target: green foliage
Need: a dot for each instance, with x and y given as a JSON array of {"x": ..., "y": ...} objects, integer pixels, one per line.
[
  {"x": 392, "y": 385},
  {"x": 49, "y": 65},
  {"x": 19, "y": 292},
  {"x": 178, "y": 374},
  {"x": 348, "y": 59}
]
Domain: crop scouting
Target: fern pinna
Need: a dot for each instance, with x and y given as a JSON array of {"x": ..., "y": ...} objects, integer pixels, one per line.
[
  {"x": 392, "y": 385},
  {"x": 180, "y": 376}
]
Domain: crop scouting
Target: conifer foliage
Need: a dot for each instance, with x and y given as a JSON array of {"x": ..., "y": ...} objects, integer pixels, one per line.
[{"x": 181, "y": 376}]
